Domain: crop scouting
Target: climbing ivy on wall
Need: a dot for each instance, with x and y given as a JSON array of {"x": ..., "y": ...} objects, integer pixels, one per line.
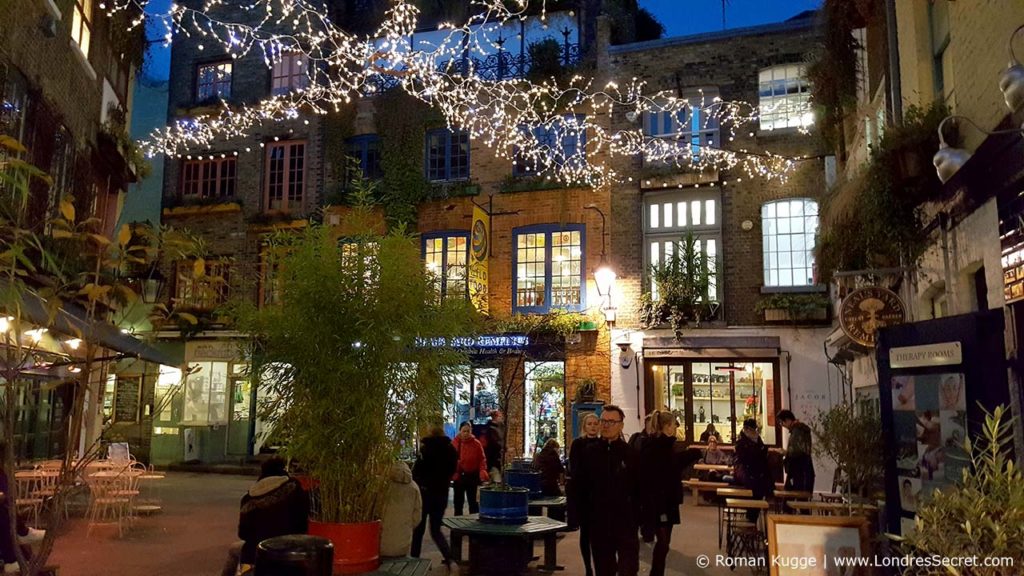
[{"x": 402, "y": 123}]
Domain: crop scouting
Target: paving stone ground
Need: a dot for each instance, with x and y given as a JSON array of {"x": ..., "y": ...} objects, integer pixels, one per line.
[{"x": 200, "y": 516}]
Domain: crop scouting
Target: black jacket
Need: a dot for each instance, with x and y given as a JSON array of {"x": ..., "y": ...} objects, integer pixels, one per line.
[
  {"x": 436, "y": 464},
  {"x": 549, "y": 464},
  {"x": 575, "y": 513},
  {"x": 607, "y": 482},
  {"x": 752, "y": 467},
  {"x": 661, "y": 488},
  {"x": 494, "y": 445},
  {"x": 274, "y": 506}
]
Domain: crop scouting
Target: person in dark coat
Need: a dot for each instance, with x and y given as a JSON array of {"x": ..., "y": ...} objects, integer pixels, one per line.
[
  {"x": 549, "y": 463},
  {"x": 432, "y": 472},
  {"x": 494, "y": 445},
  {"x": 609, "y": 492},
  {"x": 661, "y": 492},
  {"x": 752, "y": 470},
  {"x": 276, "y": 505},
  {"x": 577, "y": 516},
  {"x": 798, "y": 463}
]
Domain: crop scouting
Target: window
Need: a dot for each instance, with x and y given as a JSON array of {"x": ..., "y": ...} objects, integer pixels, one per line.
[
  {"x": 938, "y": 21},
  {"x": 81, "y": 25},
  {"x": 545, "y": 405},
  {"x": 365, "y": 150},
  {"x": 360, "y": 257},
  {"x": 289, "y": 73},
  {"x": 206, "y": 393},
  {"x": 549, "y": 267},
  {"x": 201, "y": 288},
  {"x": 212, "y": 178},
  {"x": 784, "y": 97},
  {"x": 14, "y": 106},
  {"x": 789, "y": 228},
  {"x": 447, "y": 155},
  {"x": 563, "y": 142},
  {"x": 695, "y": 128},
  {"x": 286, "y": 171},
  {"x": 213, "y": 81},
  {"x": 446, "y": 255},
  {"x": 61, "y": 167},
  {"x": 668, "y": 217},
  {"x": 270, "y": 276}
]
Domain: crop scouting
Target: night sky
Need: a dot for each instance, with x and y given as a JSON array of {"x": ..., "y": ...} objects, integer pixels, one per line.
[{"x": 680, "y": 18}]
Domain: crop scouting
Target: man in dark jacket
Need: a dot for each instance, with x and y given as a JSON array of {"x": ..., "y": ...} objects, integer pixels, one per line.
[
  {"x": 799, "y": 464},
  {"x": 608, "y": 486},
  {"x": 494, "y": 445},
  {"x": 433, "y": 472},
  {"x": 276, "y": 505},
  {"x": 752, "y": 464}
]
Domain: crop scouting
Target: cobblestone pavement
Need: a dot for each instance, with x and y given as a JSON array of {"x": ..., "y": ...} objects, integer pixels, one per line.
[{"x": 199, "y": 519}]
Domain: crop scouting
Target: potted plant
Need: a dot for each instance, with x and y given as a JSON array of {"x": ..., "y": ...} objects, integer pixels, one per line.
[
  {"x": 347, "y": 389},
  {"x": 853, "y": 440},
  {"x": 794, "y": 308},
  {"x": 682, "y": 283}
]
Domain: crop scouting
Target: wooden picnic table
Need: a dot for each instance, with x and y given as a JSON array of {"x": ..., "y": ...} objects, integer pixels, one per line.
[
  {"x": 402, "y": 567},
  {"x": 713, "y": 467},
  {"x": 504, "y": 549},
  {"x": 537, "y": 506},
  {"x": 834, "y": 508}
]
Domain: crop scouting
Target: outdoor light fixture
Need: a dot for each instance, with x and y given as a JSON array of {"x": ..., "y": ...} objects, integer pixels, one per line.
[
  {"x": 949, "y": 160},
  {"x": 604, "y": 275},
  {"x": 36, "y": 335},
  {"x": 152, "y": 287},
  {"x": 5, "y": 323},
  {"x": 73, "y": 343}
]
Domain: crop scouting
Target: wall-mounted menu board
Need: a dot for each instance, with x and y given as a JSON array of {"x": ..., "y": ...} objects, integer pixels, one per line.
[{"x": 127, "y": 399}]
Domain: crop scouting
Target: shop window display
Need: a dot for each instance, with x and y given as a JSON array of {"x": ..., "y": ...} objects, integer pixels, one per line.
[{"x": 545, "y": 405}]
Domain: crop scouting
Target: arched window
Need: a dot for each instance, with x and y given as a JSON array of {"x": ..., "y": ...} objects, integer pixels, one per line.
[{"x": 789, "y": 227}]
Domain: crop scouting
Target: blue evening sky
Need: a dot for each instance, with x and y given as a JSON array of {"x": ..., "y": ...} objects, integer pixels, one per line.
[{"x": 680, "y": 17}]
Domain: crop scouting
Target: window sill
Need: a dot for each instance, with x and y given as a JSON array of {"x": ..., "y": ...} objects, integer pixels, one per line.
[
  {"x": 203, "y": 208},
  {"x": 788, "y": 131},
  {"x": 83, "y": 59},
  {"x": 545, "y": 309},
  {"x": 816, "y": 289}
]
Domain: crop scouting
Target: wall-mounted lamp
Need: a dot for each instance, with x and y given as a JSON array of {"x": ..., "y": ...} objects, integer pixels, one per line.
[
  {"x": 604, "y": 275},
  {"x": 949, "y": 160}
]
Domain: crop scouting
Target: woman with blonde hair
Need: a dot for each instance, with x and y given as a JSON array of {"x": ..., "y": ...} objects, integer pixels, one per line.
[
  {"x": 661, "y": 481},
  {"x": 590, "y": 433}
]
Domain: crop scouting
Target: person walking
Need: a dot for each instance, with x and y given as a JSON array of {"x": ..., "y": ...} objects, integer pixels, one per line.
[
  {"x": 433, "y": 472},
  {"x": 661, "y": 486},
  {"x": 576, "y": 512},
  {"x": 494, "y": 445},
  {"x": 470, "y": 471},
  {"x": 798, "y": 463},
  {"x": 403, "y": 508},
  {"x": 609, "y": 494},
  {"x": 752, "y": 464},
  {"x": 549, "y": 463}
]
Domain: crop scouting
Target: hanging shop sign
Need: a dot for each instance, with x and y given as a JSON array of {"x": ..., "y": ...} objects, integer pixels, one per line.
[
  {"x": 865, "y": 310},
  {"x": 480, "y": 240},
  {"x": 486, "y": 345},
  {"x": 944, "y": 354}
]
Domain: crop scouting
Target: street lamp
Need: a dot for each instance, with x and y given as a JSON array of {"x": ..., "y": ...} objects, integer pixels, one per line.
[{"x": 604, "y": 275}]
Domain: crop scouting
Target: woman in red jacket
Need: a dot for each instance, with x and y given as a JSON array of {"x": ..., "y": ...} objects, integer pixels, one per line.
[{"x": 471, "y": 471}]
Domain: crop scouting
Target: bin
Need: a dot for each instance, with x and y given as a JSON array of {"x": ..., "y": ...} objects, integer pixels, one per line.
[{"x": 294, "y": 555}]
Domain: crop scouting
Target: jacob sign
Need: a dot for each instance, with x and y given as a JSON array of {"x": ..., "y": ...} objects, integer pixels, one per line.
[{"x": 865, "y": 310}]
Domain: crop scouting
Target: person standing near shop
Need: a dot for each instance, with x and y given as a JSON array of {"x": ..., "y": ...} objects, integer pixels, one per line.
[
  {"x": 752, "y": 464},
  {"x": 661, "y": 486},
  {"x": 494, "y": 445},
  {"x": 433, "y": 472},
  {"x": 609, "y": 494},
  {"x": 575, "y": 510},
  {"x": 798, "y": 464},
  {"x": 470, "y": 471}
]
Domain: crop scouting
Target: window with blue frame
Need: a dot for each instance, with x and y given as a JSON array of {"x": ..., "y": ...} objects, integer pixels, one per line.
[
  {"x": 446, "y": 256},
  {"x": 692, "y": 129},
  {"x": 447, "y": 155},
  {"x": 559, "y": 143},
  {"x": 365, "y": 150},
  {"x": 549, "y": 265}
]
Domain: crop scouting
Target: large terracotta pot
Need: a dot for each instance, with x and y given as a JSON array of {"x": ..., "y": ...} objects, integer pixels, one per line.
[{"x": 356, "y": 546}]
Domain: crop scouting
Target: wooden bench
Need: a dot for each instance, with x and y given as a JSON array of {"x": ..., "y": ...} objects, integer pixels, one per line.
[
  {"x": 403, "y": 567},
  {"x": 697, "y": 486}
]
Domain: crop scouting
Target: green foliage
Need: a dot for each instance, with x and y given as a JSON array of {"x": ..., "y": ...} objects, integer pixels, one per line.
[
  {"x": 682, "y": 281},
  {"x": 983, "y": 514},
  {"x": 799, "y": 306},
  {"x": 545, "y": 60},
  {"x": 647, "y": 26},
  {"x": 884, "y": 227},
  {"x": 402, "y": 138},
  {"x": 853, "y": 440},
  {"x": 349, "y": 387},
  {"x": 557, "y": 323},
  {"x": 128, "y": 37}
]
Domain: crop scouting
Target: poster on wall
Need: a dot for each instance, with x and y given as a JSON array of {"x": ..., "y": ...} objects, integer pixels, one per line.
[{"x": 929, "y": 427}]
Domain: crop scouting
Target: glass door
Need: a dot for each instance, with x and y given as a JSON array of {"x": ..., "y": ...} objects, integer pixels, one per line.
[
  {"x": 545, "y": 406},
  {"x": 240, "y": 421}
]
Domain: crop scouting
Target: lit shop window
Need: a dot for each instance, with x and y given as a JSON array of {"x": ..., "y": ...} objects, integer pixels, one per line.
[
  {"x": 446, "y": 256},
  {"x": 549, "y": 266}
]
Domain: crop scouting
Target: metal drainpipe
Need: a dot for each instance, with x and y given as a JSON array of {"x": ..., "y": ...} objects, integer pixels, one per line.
[{"x": 895, "y": 81}]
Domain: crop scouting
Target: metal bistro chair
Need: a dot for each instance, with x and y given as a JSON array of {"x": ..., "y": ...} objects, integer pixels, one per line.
[
  {"x": 106, "y": 507},
  {"x": 745, "y": 537}
]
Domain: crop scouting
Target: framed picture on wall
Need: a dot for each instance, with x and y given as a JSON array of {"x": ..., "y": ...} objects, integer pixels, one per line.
[{"x": 798, "y": 541}]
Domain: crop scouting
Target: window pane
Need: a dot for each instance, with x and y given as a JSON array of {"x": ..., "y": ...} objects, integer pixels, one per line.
[
  {"x": 709, "y": 212},
  {"x": 655, "y": 209},
  {"x": 695, "y": 212},
  {"x": 681, "y": 214},
  {"x": 667, "y": 211}
]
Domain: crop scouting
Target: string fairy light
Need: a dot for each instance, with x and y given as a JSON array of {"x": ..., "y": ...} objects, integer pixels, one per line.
[{"x": 559, "y": 129}]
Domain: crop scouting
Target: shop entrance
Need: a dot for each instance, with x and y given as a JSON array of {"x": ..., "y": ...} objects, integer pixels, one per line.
[{"x": 474, "y": 397}]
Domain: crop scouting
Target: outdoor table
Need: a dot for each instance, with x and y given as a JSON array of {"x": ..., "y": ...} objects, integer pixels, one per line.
[
  {"x": 713, "y": 467},
  {"x": 552, "y": 503},
  {"x": 504, "y": 549},
  {"x": 834, "y": 508},
  {"x": 750, "y": 541},
  {"x": 781, "y": 497},
  {"x": 150, "y": 505},
  {"x": 402, "y": 567},
  {"x": 723, "y": 493}
]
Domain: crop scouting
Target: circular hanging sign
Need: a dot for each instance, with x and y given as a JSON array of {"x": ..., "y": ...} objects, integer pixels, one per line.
[
  {"x": 479, "y": 240},
  {"x": 865, "y": 310}
]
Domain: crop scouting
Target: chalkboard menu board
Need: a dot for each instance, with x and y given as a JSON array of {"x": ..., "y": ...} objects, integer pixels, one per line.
[{"x": 126, "y": 399}]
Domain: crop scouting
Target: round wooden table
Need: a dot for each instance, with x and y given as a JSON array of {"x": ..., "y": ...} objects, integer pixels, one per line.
[{"x": 504, "y": 549}]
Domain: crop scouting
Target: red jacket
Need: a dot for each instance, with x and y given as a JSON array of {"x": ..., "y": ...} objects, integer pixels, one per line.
[{"x": 471, "y": 458}]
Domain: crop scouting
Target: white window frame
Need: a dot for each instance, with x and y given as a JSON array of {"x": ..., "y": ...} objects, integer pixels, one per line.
[
  {"x": 81, "y": 25},
  {"x": 784, "y": 97},
  {"x": 690, "y": 132},
  {"x": 778, "y": 234},
  {"x": 289, "y": 72},
  {"x": 662, "y": 232}
]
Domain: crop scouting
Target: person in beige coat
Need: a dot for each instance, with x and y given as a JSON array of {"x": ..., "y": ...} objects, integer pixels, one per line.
[{"x": 403, "y": 507}]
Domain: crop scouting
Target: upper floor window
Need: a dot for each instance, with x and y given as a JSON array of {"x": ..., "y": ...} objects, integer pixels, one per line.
[
  {"x": 201, "y": 287},
  {"x": 562, "y": 142},
  {"x": 695, "y": 127},
  {"x": 359, "y": 258},
  {"x": 784, "y": 97},
  {"x": 549, "y": 265},
  {"x": 286, "y": 174},
  {"x": 447, "y": 155},
  {"x": 446, "y": 255},
  {"x": 668, "y": 217},
  {"x": 938, "y": 21},
  {"x": 61, "y": 169},
  {"x": 789, "y": 227},
  {"x": 364, "y": 150},
  {"x": 81, "y": 25},
  {"x": 213, "y": 178},
  {"x": 289, "y": 73},
  {"x": 213, "y": 80},
  {"x": 14, "y": 105}
]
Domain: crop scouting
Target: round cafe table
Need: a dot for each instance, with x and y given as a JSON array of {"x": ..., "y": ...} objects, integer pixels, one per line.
[{"x": 151, "y": 503}]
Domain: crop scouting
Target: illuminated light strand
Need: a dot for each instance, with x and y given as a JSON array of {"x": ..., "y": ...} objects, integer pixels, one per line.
[{"x": 530, "y": 123}]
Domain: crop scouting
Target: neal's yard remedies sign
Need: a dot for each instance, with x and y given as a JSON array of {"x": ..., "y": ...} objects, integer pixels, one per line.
[
  {"x": 480, "y": 240},
  {"x": 944, "y": 354},
  {"x": 865, "y": 310}
]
